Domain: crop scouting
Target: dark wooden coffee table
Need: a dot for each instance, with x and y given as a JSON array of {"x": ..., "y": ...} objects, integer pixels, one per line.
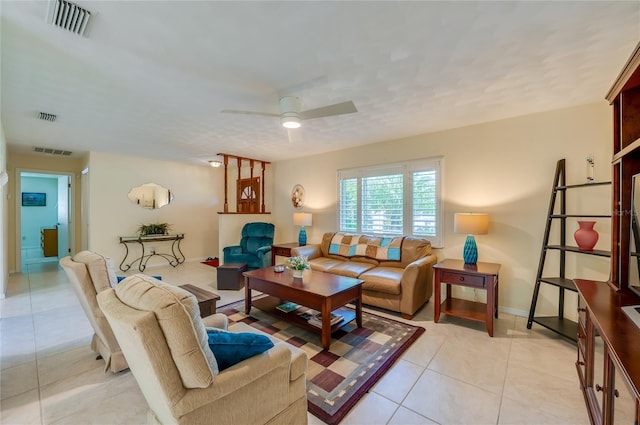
[
  {"x": 206, "y": 300},
  {"x": 319, "y": 291}
]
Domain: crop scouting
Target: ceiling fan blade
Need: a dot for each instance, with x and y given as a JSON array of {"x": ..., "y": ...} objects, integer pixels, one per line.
[
  {"x": 235, "y": 111},
  {"x": 330, "y": 110}
]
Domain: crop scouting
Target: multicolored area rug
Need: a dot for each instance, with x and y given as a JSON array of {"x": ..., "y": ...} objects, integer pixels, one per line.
[{"x": 337, "y": 378}]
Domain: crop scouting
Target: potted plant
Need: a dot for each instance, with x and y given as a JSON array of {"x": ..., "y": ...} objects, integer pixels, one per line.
[
  {"x": 298, "y": 264},
  {"x": 154, "y": 229}
]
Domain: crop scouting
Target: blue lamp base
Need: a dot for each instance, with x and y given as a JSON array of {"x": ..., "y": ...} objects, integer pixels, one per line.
[
  {"x": 470, "y": 253},
  {"x": 302, "y": 237}
]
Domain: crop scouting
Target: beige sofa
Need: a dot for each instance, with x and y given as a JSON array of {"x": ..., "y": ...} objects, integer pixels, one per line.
[
  {"x": 397, "y": 272},
  {"x": 164, "y": 339}
]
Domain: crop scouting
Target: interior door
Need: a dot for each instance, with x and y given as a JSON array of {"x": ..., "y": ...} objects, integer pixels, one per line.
[
  {"x": 63, "y": 216},
  {"x": 248, "y": 195}
]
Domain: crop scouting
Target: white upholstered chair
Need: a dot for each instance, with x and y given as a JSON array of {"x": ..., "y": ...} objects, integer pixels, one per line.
[
  {"x": 160, "y": 331},
  {"x": 89, "y": 274}
]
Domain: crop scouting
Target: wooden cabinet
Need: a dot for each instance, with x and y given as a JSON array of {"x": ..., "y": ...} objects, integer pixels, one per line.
[
  {"x": 608, "y": 361},
  {"x": 49, "y": 242}
]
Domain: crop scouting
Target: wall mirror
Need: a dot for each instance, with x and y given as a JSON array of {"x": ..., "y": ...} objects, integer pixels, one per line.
[{"x": 150, "y": 196}]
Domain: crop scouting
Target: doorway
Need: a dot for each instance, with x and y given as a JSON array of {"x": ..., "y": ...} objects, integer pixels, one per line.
[{"x": 44, "y": 222}]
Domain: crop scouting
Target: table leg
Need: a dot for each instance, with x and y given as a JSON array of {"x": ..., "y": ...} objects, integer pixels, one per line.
[
  {"x": 358, "y": 304},
  {"x": 496, "y": 292},
  {"x": 247, "y": 295},
  {"x": 436, "y": 297},
  {"x": 326, "y": 325},
  {"x": 491, "y": 305}
]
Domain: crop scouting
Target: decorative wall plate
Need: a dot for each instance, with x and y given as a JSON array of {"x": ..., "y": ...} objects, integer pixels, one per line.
[{"x": 297, "y": 196}]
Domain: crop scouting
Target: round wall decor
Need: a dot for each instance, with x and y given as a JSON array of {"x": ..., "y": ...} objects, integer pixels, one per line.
[{"x": 297, "y": 196}]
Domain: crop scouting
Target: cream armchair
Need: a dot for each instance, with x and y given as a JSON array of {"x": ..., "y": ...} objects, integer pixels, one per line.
[
  {"x": 165, "y": 341},
  {"x": 89, "y": 274}
]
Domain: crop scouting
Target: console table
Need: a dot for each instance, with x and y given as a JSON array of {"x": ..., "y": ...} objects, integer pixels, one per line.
[{"x": 174, "y": 258}]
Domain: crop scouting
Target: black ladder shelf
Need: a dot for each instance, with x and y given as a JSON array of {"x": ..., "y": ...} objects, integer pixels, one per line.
[{"x": 560, "y": 324}]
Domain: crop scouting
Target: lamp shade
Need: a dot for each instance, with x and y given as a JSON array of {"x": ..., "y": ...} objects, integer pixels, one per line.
[
  {"x": 302, "y": 219},
  {"x": 471, "y": 223}
]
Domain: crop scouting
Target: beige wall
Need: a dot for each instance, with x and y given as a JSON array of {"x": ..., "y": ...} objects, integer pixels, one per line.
[
  {"x": 504, "y": 168},
  {"x": 41, "y": 163},
  {"x": 4, "y": 221},
  {"x": 199, "y": 196}
]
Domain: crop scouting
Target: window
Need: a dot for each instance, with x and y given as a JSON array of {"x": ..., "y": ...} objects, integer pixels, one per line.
[{"x": 393, "y": 199}]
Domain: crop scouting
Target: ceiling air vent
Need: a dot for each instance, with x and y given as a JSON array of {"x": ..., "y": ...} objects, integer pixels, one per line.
[
  {"x": 51, "y": 151},
  {"x": 47, "y": 117},
  {"x": 68, "y": 16}
]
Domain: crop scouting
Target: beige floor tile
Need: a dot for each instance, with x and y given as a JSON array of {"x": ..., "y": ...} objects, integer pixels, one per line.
[
  {"x": 15, "y": 306},
  {"x": 514, "y": 412},
  {"x": 556, "y": 357},
  {"x": 424, "y": 349},
  {"x": 18, "y": 342},
  {"x": 18, "y": 379},
  {"x": 537, "y": 387},
  {"x": 67, "y": 363},
  {"x": 404, "y": 416},
  {"x": 118, "y": 401},
  {"x": 477, "y": 359},
  {"x": 448, "y": 401},
  {"x": 78, "y": 393},
  {"x": 22, "y": 409},
  {"x": 371, "y": 410},
  {"x": 397, "y": 382}
]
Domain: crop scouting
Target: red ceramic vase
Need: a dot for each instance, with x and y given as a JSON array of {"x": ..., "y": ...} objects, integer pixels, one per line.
[{"x": 585, "y": 236}]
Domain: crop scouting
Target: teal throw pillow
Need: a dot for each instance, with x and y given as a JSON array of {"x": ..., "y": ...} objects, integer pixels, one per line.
[{"x": 230, "y": 348}]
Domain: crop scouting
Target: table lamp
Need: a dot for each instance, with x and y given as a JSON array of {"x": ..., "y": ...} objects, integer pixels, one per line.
[
  {"x": 471, "y": 224},
  {"x": 302, "y": 219}
]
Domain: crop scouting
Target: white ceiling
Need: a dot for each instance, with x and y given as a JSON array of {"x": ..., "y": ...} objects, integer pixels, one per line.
[{"x": 150, "y": 78}]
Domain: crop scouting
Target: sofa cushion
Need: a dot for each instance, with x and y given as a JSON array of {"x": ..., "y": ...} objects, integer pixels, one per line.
[
  {"x": 176, "y": 310},
  {"x": 230, "y": 348},
  {"x": 383, "y": 279},
  {"x": 351, "y": 268},
  {"x": 374, "y": 247},
  {"x": 100, "y": 269},
  {"x": 323, "y": 264}
]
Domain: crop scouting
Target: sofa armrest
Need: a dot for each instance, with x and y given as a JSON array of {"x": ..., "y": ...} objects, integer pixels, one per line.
[
  {"x": 235, "y": 249},
  {"x": 311, "y": 251},
  {"x": 417, "y": 284},
  {"x": 239, "y": 377}
]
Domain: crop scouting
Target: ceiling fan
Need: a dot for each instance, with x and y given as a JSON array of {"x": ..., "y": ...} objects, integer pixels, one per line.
[{"x": 291, "y": 116}]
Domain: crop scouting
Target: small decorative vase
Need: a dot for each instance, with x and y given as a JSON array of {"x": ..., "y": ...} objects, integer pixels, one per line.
[
  {"x": 586, "y": 237},
  {"x": 298, "y": 273}
]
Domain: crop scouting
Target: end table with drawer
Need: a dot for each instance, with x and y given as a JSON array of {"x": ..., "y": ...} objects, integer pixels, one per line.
[
  {"x": 477, "y": 276},
  {"x": 282, "y": 250}
]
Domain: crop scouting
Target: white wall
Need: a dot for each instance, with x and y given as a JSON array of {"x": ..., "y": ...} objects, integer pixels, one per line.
[
  {"x": 504, "y": 168},
  {"x": 4, "y": 219},
  {"x": 35, "y": 218},
  {"x": 198, "y": 196}
]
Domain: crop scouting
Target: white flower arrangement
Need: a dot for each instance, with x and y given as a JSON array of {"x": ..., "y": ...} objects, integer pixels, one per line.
[{"x": 301, "y": 262}]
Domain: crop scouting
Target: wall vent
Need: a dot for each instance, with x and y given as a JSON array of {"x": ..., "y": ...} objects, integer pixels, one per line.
[
  {"x": 52, "y": 151},
  {"x": 48, "y": 117},
  {"x": 68, "y": 16}
]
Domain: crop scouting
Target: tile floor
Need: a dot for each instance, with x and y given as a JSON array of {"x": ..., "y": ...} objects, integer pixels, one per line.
[{"x": 454, "y": 374}]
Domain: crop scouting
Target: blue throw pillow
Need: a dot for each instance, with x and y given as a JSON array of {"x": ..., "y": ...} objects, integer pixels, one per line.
[{"x": 230, "y": 348}]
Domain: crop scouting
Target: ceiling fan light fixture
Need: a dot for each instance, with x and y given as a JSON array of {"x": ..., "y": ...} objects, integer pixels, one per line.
[{"x": 290, "y": 121}]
